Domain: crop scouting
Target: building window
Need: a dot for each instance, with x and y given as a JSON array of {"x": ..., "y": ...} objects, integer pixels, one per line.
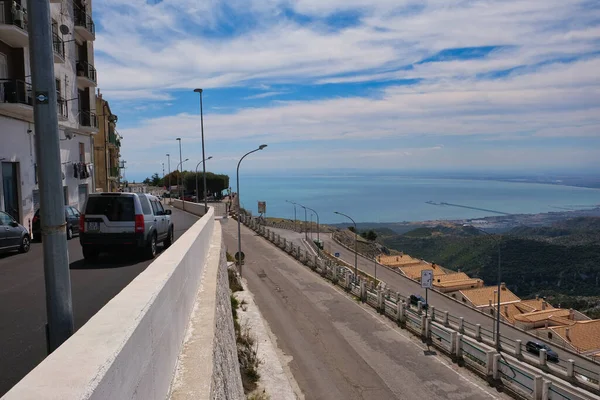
[
  {"x": 81, "y": 152},
  {"x": 491, "y": 311},
  {"x": 58, "y": 88},
  {"x": 549, "y": 335}
]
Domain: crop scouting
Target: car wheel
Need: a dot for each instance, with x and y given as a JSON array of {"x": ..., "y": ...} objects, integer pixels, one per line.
[
  {"x": 90, "y": 253},
  {"x": 151, "y": 248},
  {"x": 69, "y": 233},
  {"x": 169, "y": 240},
  {"x": 25, "y": 244}
]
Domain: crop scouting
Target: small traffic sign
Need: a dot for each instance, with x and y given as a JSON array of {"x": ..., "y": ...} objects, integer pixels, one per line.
[
  {"x": 427, "y": 278},
  {"x": 337, "y": 254},
  {"x": 237, "y": 256}
]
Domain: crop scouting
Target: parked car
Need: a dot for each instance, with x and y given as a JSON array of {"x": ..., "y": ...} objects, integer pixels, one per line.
[
  {"x": 71, "y": 217},
  {"x": 13, "y": 236},
  {"x": 535, "y": 347},
  {"x": 112, "y": 221},
  {"x": 415, "y": 298}
]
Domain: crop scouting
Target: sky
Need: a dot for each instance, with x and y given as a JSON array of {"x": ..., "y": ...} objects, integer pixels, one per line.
[{"x": 407, "y": 85}]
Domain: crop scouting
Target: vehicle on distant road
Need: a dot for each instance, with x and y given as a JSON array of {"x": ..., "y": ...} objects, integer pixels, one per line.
[
  {"x": 13, "y": 236},
  {"x": 71, "y": 218},
  {"x": 535, "y": 347},
  {"x": 112, "y": 221},
  {"x": 415, "y": 298}
]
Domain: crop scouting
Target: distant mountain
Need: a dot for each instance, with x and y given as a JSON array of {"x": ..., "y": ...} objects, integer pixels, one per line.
[{"x": 561, "y": 260}]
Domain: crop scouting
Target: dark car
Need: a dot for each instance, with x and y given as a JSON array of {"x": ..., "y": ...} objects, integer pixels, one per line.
[
  {"x": 71, "y": 217},
  {"x": 535, "y": 347},
  {"x": 415, "y": 298},
  {"x": 13, "y": 236}
]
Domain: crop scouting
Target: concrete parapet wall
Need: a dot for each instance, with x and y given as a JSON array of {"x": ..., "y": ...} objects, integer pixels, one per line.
[{"x": 130, "y": 348}]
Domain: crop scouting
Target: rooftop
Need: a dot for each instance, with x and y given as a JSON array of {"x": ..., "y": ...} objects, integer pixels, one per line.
[
  {"x": 482, "y": 296},
  {"x": 414, "y": 271},
  {"x": 398, "y": 260},
  {"x": 584, "y": 335},
  {"x": 459, "y": 276},
  {"x": 559, "y": 314}
]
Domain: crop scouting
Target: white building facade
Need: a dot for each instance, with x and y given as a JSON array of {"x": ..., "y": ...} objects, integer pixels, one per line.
[{"x": 73, "y": 34}]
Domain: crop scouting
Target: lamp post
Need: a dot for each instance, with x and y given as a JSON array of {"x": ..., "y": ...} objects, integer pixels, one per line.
[
  {"x": 318, "y": 228},
  {"x": 180, "y": 174},
  {"x": 355, "y": 245},
  {"x": 203, "y": 155},
  {"x": 305, "y": 222},
  {"x": 262, "y": 146},
  {"x": 169, "y": 173},
  {"x": 294, "y": 204},
  {"x": 498, "y": 289},
  {"x": 201, "y": 162}
]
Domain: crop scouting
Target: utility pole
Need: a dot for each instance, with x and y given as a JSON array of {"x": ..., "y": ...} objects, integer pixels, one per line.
[
  {"x": 59, "y": 307},
  {"x": 169, "y": 173}
]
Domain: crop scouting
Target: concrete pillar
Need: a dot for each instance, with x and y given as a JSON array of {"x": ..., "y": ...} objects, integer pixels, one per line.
[
  {"x": 461, "y": 324},
  {"x": 363, "y": 291},
  {"x": 432, "y": 312},
  {"x": 399, "y": 314},
  {"x": 347, "y": 281},
  {"x": 495, "y": 366},
  {"x": 458, "y": 345},
  {"x": 478, "y": 332},
  {"x": 402, "y": 311},
  {"x": 546, "y": 389},
  {"x": 284, "y": 243},
  {"x": 453, "y": 342},
  {"x": 489, "y": 361},
  {"x": 537, "y": 387},
  {"x": 380, "y": 300},
  {"x": 445, "y": 318},
  {"x": 420, "y": 307},
  {"x": 518, "y": 347},
  {"x": 427, "y": 323},
  {"x": 570, "y": 368},
  {"x": 542, "y": 358},
  {"x": 315, "y": 260}
]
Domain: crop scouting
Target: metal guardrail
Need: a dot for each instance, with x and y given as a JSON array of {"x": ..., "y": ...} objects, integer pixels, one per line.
[
  {"x": 86, "y": 69},
  {"x": 15, "y": 91},
  {"x": 84, "y": 20}
]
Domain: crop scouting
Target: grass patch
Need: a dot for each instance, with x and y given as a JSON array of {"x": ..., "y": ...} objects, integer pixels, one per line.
[
  {"x": 235, "y": 285},
  {"x": 259, "y": 396},
  {"x": 247, "y": 350}
]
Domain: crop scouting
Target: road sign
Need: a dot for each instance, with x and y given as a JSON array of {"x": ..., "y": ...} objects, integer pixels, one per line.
[
  {"x": 237, "y": 256},
  {"x": 262, "y": 207},
  {"x": 337, "y": 254},
  {"x": 427, "y": 278}
]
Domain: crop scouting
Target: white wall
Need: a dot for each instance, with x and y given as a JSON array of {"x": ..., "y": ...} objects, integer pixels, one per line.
[
  {"x": 129, "y": 349},
  {"x": 69, "y": 153},
  {"x": 18, "y": 146}
]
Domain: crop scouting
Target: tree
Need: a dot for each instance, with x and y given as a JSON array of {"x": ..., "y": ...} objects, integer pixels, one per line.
[
  {"x": 146, "y": 181},
  {"x": 156, "y": 181},
  {"x": 371, "y": 235},
  {"x": 351, "y": 229}
]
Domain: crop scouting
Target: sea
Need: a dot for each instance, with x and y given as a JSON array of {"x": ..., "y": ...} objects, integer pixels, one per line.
[{"x": 372, "y": 198}]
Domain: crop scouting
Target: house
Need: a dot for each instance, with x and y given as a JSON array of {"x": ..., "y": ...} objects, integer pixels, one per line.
[
  {"x": 397, "y": 261},
  {"x": 486, "y": 296},
  {"x": 73, "y": 35},
  {"x": 107, "y": 146},
  {"x": 453, "y": 282},
  {"x": 413, "y": 270},
  {"x": 580, "y": 336}
]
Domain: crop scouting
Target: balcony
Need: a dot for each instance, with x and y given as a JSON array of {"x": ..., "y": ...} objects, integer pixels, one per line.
[
  {"x": 84, "y": 26},
  {"x": 58, "y": 45},
  {"x": 16, "y": 99},
  {"x": 113, "y": 173},
  {"x": 13, "y": 28},
  {"x": 63, "y": 108},
  {"x": 86, "y": 75},
  {"x": 112, "y": 139},
  {"x": 88, "y": 121}
]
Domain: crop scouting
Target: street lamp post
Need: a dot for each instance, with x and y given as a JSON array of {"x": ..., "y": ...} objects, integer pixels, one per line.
[
  {"x": 355, "y": 245},
  {"x": 305, "y": 222},
  {"x": 201, "y": 162},
  {"x": 239, "y": 255},
  {"x": 498, "y": 289},
  {"x": 180, "y": 174},
  {"x": 294, "y": 204},
  {"x": 203, "y": 155},
  {"x": 318, "y": 226},
  {"x": 169, "y": 173}
]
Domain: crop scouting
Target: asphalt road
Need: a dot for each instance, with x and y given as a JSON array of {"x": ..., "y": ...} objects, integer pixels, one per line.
[
  {"x": 23, "y": 302},
  {"x": 340, "y": 349},
  {"x": 405, "y": 286}
]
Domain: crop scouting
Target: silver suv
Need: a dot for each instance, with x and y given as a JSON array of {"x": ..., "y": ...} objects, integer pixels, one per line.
[{"x": 111, "y": 221}]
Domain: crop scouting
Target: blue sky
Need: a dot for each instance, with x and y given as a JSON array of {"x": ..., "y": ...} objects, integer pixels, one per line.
[{"x": 381, "y": 85}]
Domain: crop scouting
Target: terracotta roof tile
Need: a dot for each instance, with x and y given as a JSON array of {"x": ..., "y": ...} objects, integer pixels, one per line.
[
  {"x": 414, "y": 271},
  {"x": 584, "y": 335},
  {"x": 482, "y": 296},
  {"x": 458, "y": 276},
  {"x": 537, "y": 316}
]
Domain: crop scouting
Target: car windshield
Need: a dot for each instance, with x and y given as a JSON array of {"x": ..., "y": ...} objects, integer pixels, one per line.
[{"x": 115, "y": 208}]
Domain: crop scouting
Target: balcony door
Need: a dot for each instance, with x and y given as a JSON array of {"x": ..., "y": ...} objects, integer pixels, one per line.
[{"x": 3, "y": 75}]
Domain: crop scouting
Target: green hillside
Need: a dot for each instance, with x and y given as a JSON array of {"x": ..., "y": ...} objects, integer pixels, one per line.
[{"x": 561, "y": 262}]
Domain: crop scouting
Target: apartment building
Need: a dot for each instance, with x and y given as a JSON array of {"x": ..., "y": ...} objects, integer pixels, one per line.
[
  {"x": 73, "y": 34},
  {"x": 107, "y": 147}
]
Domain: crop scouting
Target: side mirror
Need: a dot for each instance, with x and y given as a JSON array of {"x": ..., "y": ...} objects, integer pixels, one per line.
[{"x": 168, "y": 212}]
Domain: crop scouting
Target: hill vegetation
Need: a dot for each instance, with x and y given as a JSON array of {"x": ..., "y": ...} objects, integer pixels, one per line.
[{"x": 561, "y": 262}]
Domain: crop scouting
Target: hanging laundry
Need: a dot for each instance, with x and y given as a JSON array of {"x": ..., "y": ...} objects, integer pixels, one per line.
[{"x": 75, "y": 170}]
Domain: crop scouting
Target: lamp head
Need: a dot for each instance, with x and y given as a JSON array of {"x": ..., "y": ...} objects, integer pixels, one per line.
[
  {"x": 198, "y": 90},
  {"x": 209, "y": 157},
  {"x": 335, "y": 212},
  {"x": 178, "y": 138},
  {"x": 187, "y": 159},
  {"x": 168, "y": 155},
  {"x": 262, "y": 146}
]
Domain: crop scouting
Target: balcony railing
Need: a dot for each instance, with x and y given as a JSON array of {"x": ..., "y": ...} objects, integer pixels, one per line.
[
  {"x": 17, "y": 17},
  {"x": 88, "y": 119},
  {"x": 58, "y": 45},
  {"x": 114, "y": 172},
  {"x": 87, "y": 70},
  {"x": 15, "y": 91},
  {"x": 84, "y": 20},
  {"x": 62, "y": 106}
]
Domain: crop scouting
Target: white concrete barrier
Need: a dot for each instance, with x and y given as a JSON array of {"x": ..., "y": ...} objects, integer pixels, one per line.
[
  {"x": 129, "y": 349},
  {"x": 194, "y": 208}
]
